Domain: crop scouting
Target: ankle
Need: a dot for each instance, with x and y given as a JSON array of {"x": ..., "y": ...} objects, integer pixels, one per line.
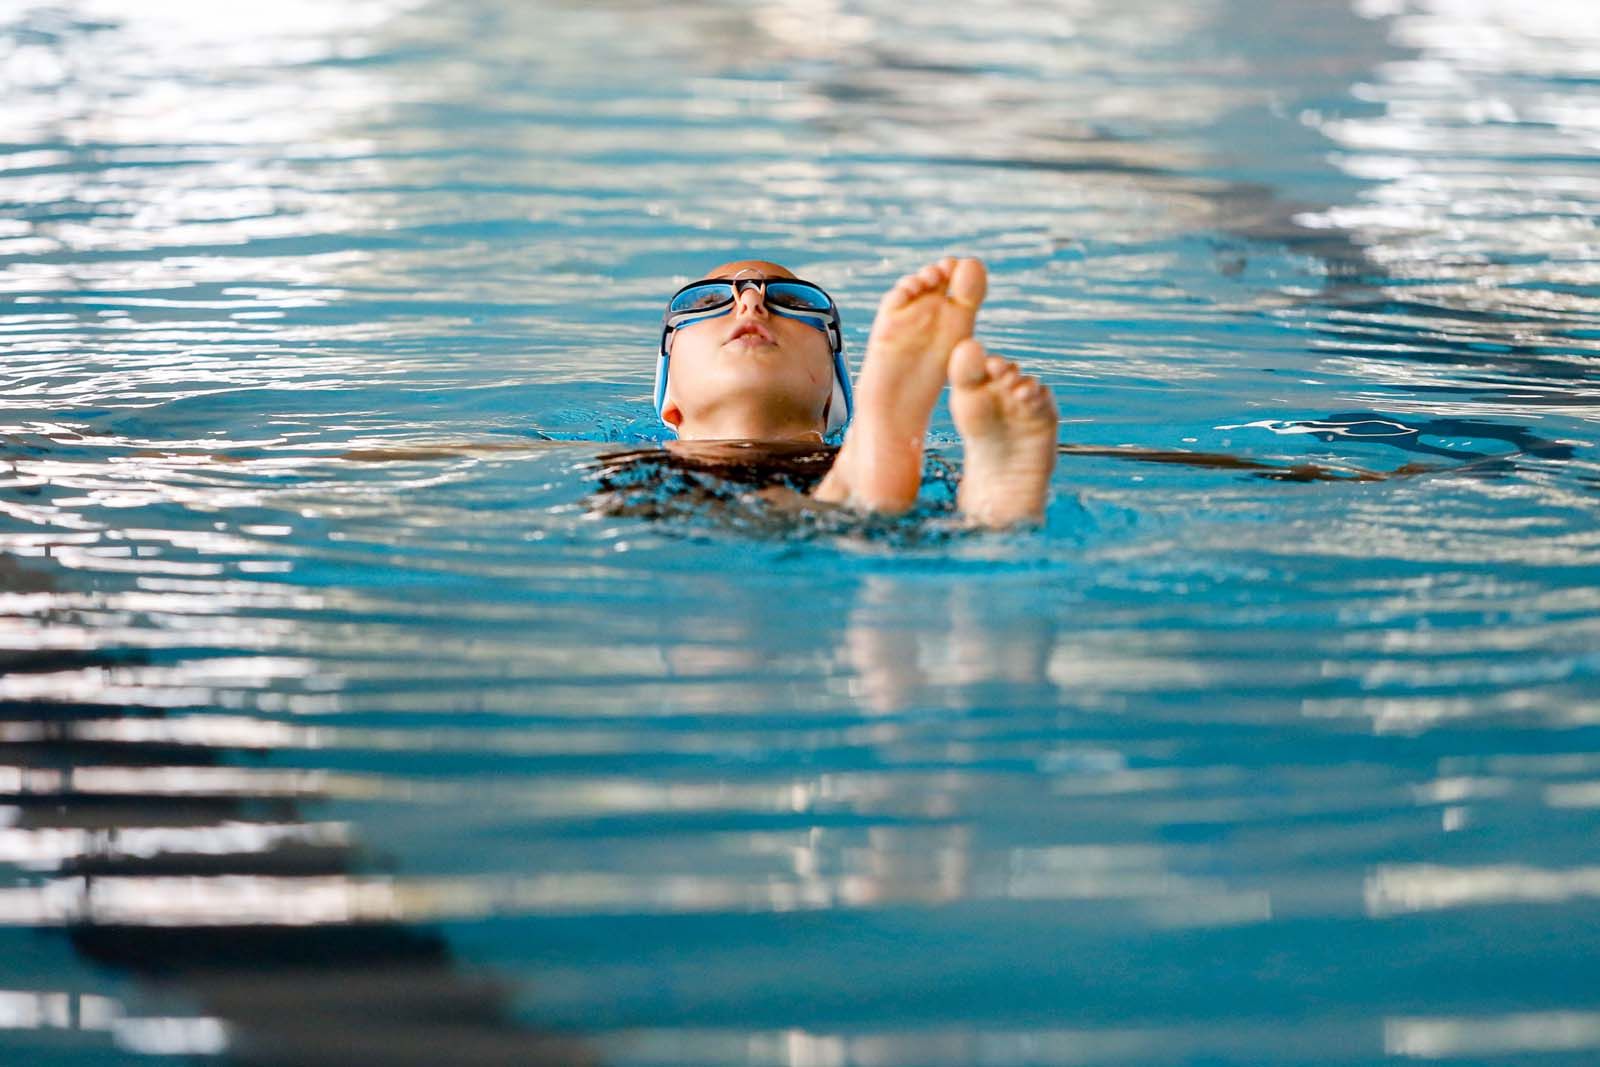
[{"x": 874, "y": 472}]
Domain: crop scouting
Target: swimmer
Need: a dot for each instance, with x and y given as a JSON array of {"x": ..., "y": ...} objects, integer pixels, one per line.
[{"x": 752, "y": 353}]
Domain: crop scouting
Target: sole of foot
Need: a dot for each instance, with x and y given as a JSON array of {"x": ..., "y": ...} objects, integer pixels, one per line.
[
  {"x": 920, "y": 321},
  {"x": 1008, "y": 424}
]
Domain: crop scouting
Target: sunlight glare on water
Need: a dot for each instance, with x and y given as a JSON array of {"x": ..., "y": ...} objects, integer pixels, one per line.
[{"x": 339, "y": 720}]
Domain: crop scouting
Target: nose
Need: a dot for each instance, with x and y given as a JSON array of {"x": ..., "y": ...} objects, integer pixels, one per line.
[{"x": 751, "y": 300}]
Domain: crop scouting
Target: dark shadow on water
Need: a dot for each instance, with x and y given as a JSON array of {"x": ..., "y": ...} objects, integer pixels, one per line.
[
  {"x": 1292, "y": 472},
  {"x": 1367, "y": 428},
  {"x": 760, "y": 488},
  {"x": 369, "y": 992}
]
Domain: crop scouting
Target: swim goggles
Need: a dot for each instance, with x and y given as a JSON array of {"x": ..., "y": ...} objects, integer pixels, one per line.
[{"x": 789, "y": 297}]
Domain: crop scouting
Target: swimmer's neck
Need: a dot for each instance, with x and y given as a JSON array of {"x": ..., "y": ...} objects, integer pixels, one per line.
[
  {"x": 750, "y": 426},
  {"x": 745, "y": 452}
]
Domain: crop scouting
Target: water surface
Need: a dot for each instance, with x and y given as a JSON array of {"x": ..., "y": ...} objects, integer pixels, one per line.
[{"x": 337, "y": 723}]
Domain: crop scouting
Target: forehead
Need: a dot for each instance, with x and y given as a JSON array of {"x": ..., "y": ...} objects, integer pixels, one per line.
[{"x": 750, "y": 268}]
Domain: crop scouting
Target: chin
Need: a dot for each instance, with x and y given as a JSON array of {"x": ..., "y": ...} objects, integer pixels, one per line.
[{"x": 765, "y": 354}]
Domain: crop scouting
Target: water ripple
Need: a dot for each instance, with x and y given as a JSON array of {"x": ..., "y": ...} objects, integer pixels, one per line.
[{"x": 328, "y": 678}]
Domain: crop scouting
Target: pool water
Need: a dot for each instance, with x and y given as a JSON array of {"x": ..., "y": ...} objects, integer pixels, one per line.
[{"x": 339, "y": 724}]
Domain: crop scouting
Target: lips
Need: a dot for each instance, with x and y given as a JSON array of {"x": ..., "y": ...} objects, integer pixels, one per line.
[{"x": 749, "y": 328}]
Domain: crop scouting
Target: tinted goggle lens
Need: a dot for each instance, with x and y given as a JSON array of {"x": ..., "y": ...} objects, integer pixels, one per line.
[
  {"x": 795, "y": 296},
  {"x": 701, "y": 298}
]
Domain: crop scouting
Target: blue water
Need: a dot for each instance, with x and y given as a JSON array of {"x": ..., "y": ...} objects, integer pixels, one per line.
[{"x": 338, "y": 724}]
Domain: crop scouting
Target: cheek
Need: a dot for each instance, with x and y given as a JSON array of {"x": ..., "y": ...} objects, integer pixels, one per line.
[
  {"x": 687, "y": 355},
  {"x": 821, "y": 367},
  {"x": 814, "y": 358}
]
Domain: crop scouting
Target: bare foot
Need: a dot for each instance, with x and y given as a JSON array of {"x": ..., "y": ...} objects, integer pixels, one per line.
[
  {"x": 919, "y": 323},
  {"x": 1007, "y": 422}
]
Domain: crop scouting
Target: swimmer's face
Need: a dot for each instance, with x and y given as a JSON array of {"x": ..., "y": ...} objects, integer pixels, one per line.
[{"x": 749, "y": 362}]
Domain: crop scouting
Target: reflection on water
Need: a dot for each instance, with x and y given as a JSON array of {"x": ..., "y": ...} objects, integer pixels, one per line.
[
  {"x": 1478, "y": 210},
  {"x": 244, "y": 916},
  {"x": 372, "y": 687}
]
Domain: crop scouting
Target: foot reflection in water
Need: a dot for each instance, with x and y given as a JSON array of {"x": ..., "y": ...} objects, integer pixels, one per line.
[
  {"x": 968, "y": 651},
  {"x": 133, "y": 837}
]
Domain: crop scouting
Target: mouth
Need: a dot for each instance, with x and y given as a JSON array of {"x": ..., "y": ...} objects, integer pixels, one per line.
[{"x": 751, "y": 330}]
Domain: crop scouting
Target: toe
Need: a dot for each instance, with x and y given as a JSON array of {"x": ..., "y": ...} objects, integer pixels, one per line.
[
  {"x": 969, "y": 282},
  {"x": 968, "y": 365},
  {"x": 908, "y": 288},
  {"x": 1036, "y": 400}
]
